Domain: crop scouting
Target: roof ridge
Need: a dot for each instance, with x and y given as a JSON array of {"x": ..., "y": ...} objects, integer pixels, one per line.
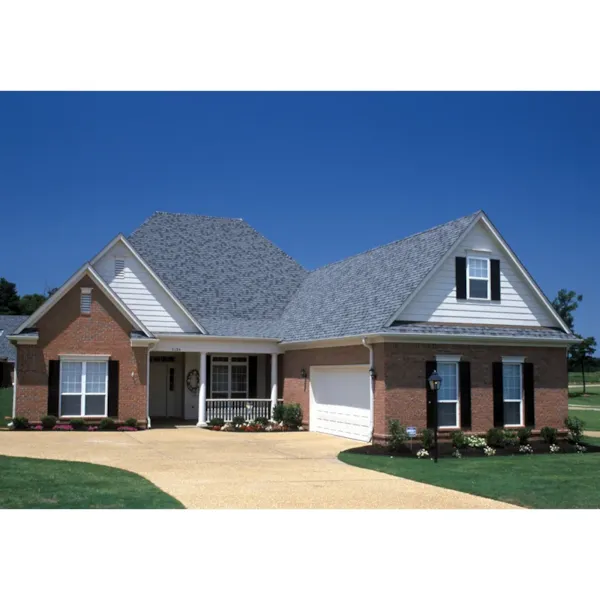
[
  {"x": 180, "y": 214},
  {"x": 412, "y": 235}
]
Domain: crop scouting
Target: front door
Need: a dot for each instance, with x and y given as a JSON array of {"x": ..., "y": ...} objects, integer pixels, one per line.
[{"x": 162, "y": 390}]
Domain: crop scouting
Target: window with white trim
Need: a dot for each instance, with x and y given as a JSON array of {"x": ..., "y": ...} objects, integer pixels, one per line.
[
  {"x": 512, "y": 392},
  {"x": 478, "y": 278},
  {"x": 229, "y": 377},
  {"x": 86, "y": 301},
  {"x": 448, "y": 394},
  {"x": 83, "y": 388}
]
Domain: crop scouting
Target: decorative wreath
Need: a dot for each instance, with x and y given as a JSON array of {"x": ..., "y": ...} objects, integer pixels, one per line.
[{"x": 193, "y": 381}]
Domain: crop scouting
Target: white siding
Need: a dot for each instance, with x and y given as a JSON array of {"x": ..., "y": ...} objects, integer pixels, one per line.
[
  {"x": 138, "y": 289},
  {"x": 519, "y": 304}
]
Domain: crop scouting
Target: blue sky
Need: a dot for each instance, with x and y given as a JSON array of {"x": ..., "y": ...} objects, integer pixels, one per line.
[{"x": 323, "y": 175}]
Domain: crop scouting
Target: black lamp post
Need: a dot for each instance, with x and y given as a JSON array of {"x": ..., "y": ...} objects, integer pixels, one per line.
[{"x": 435, "y": 383}]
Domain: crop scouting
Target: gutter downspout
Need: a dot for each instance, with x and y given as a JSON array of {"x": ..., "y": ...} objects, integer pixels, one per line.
[
  {"x": 14, "y": 406},
  {"x": 371, "y": 384}
]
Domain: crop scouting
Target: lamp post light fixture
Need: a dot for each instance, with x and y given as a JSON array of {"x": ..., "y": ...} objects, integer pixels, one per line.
[
  {"x": 435, "y": 383},
  {"x": 372, "y": 373}
]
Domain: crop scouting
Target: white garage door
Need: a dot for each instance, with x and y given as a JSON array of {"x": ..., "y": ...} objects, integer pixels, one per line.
[{"x": 340, "y": 401}]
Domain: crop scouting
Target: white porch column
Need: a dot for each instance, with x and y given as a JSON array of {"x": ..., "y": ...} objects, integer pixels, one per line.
[
  {"x": 273, "y": 381},
  {"x": 202, "y": 398}
]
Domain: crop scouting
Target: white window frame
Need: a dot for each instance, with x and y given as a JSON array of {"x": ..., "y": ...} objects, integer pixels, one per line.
[
  {"x": 84, "y": 361},
  {"x": 515, "y": 361},
  {"x": 229, "y": 364},
  {"x": 451, "y": 360},
  {"x": 488, "y": 278}
]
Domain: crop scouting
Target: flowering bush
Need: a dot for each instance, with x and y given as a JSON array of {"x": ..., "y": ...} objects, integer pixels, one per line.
[
  {"x": 474, "y": 441},
  {"x": 459, "y": 440},
  {"x": 580, "y": 448},
  {"x": 422, "y": 453},
  {"x": 126, "y": 428},
  {"x": 489, "y": 451},
  {"x": 62, "y": 427},
  {"x": 49, "y": 421},
  {"x": 525, "y": 449},
  {"x": 457, "y": 454},
  {"x": 554, "y": 448},
  {"x": 92, "y": 428},
  {"x": 37, "y": 428}
]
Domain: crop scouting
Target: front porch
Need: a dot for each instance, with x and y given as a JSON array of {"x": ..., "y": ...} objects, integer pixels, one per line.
[{"x": 195, "y": 387}]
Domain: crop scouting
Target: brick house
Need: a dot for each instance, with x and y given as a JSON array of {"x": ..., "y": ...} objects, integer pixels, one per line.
[{"x": 194, "y": 317}]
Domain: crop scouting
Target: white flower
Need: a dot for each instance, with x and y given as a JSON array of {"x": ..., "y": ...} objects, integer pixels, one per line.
[
  {"x": 300, "y": 428},
  {"x": 554, "y": 448},
  {"x": 457, "y": 454},
  {"x": 526, "y": 449},
  {"x": 488, "y": 451},
  {"x": 580, "y": 449},
  {"x": 422, "y": 453}
]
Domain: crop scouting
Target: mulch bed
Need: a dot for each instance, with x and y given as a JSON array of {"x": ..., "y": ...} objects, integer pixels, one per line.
[{"x": 446, "y": 449}]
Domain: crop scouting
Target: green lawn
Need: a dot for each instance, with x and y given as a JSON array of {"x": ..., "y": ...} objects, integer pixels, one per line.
[
  {"x": 592, "y": 397},
  {"x": 575, "y": 377},
  {"x": 591, "y": 418},
  {"x": 537, "y": 481},
  {"x": 35, "y": 483},
  {"x": 6, "y": 400}
]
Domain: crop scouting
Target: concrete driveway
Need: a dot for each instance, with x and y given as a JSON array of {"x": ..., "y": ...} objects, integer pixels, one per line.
[{"x": 209, "y": 469}]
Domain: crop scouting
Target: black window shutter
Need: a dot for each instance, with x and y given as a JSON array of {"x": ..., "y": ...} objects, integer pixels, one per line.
[
  {"x": 528, "y": 389},
  {"x": 430, "y": 367},
  {"x": 465, "y": 394},
  {"x": 461, "y": 277},
  {"x": 113, "y": 388},
  {"x": 53, "y": 386},
  {"x": 498, "y": 394},
  {"x": 252, "y": 365},
  {"x": 208, "y": 375},
  {"x": 495, "y": 274}
]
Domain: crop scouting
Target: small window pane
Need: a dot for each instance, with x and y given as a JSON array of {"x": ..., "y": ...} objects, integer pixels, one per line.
[
  {"x": 449, "y": 375},
  {"x": 240, "y": 359},
  {"x": 511, "y": 382},
  {"x": 478, "y": 267},
  {"x": 447, "y": 414},
  {"x": 95, "y": 405},
  {"x": 512, "y": 413},
  {"x": 95, "y": 378},
  {"x": 478, "y": 288},
  {"x": 238, "y": 378},
  {"x": 70, "y": 377},
  {"x": 70, "y": 405},
  {"x": 220, "y": 380}
]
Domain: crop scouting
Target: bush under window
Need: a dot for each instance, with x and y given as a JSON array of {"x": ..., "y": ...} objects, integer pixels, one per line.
[
  {"x": 398, "y": 435},
  {"x": 48, "y": 421}
]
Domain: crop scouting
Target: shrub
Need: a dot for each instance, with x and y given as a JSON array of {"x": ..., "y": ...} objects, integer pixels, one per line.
[
  {"x": 20, "y": 423},
  {"x": 495, "y": 437},
  {"x": 422, "y": 453},
  {"x": 459, "y": 440},
  {"x": 488, "y": 451},
  {"x": 77, "y": 424},
  {"x": 126, "y": 428},
  {"x": 524, "y": 434},
  {"x": 49, "y": 421},
  {"x": 398, "y": 435},
  {"x": 474, "y": 441},
  {"x": 238, "y": 421},
  {"x": 427, "y": 439},
  {"x": 278, "y": 412},
  {"x": 216, "y": 422},
  {"x": 292, "y": 415},
  {"x": 62, "y": 427},
  {"x": 511, "y": 437},
  {"x": 107, "y": 424},
  {"x": 575, "y": 427},
  {"x": 131, "y": 423},
  {"x": 549, "y": 435},
  {"x": 262, "y": 421}
]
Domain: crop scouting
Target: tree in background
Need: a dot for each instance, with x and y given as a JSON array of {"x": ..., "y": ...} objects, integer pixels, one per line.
[
  {"x": 565, "y": 303},
  {"x": 31, "y": 302},
  {"x": 9, "y": 299}
]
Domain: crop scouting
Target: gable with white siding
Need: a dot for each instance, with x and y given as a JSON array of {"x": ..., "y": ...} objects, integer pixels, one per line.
[
  {"x": 140, "y": 291},
  {"x": 519, "y": 305}
]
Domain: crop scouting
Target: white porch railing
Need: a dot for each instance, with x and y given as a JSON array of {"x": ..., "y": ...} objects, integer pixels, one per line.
[{"x": 228, "y": 409}]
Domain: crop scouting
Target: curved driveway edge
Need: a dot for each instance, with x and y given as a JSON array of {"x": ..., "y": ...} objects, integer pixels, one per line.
[{"x": 208, "y": 469}]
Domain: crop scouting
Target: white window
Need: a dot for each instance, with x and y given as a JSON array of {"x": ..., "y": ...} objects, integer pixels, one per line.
[
  {"x": 119, "y": 268},
  {"x": 448, "y": 394},
  {"x": 512, "y": 391},
  {"x": 229, "y": 377},
  {"x": 83, "y": 388},
  {"x": 86, "y": 301},
  {"x": 478, "y": 278}
]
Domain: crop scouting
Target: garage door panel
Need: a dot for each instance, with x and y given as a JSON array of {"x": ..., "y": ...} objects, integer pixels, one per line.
[{"x": 341, "y": 401}]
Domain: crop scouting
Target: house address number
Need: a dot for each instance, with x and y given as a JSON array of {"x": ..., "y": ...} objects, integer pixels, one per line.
[{"x": 175, "y": 349}]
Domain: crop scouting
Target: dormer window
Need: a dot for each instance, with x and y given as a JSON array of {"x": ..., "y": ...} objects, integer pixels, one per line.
[
  {"x": 478, "y": 278},
  {"x": 85, "y": 302}
]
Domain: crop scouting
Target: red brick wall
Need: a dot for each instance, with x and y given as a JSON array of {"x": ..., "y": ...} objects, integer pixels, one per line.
[
  {"x": 406, "y": 393},
  {"x": 400, "y": 383},
  {"x": 64, "y": 330},
  {"x": 297, "y": 390}
]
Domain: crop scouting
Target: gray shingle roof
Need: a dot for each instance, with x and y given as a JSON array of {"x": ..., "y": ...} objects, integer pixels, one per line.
[
  {"x": 8, "y": 323},
  {"x": 541, "y": 333},
  {"x": 231, "y": 278},
  {"x": 360, "y": 294}
]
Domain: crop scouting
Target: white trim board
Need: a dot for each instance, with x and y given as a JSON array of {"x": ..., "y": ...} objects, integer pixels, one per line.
[
  {"x": 121, "y": 238},
  {"x": 86, "y": 269},
  {"x": 482, "y": 218}
]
